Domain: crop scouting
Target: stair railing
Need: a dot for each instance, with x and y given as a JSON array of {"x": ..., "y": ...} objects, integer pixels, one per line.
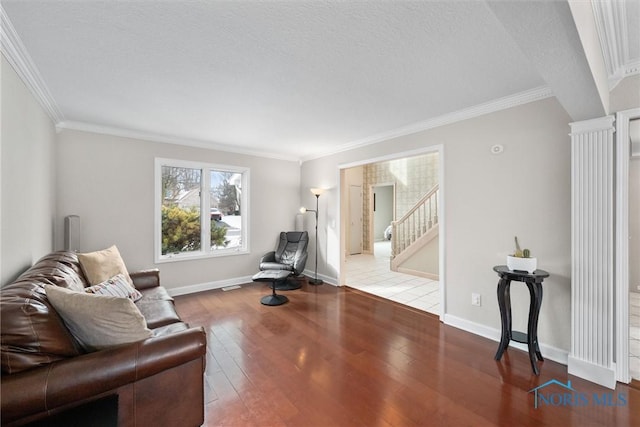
[{"x": 415, "y": 223}]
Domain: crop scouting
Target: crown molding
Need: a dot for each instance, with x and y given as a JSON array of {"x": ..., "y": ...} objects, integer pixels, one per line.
[
  {"x": 152, "y": 137},
  {"x": 499, "y": 104},
  {"x": 503, "y": 103},
  {"x": 16, "y": 53},
  {"x": 611, "y": 25}
]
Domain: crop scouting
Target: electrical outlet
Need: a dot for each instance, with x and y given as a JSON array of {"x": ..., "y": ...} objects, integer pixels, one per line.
[{"x": 476, "y": 300}]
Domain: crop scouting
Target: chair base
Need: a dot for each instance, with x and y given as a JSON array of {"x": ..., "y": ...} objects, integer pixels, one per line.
[
  {"x": 273, "y": 300},
  {"x": 288, "y": 285},
  {"x": 273, "y": 277}
]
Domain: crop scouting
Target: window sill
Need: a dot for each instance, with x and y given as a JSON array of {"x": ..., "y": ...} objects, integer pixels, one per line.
[{"x": 200, "y": 255}]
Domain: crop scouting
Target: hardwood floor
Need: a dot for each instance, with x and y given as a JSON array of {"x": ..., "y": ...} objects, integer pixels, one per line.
[{"x": 338, "y": 357}]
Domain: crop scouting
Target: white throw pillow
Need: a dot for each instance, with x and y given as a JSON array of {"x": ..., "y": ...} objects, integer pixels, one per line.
[
  {"x": 102, "y": 265},
  {"x": 117, "y": 286},
  {"x": 98, "y": 321}
]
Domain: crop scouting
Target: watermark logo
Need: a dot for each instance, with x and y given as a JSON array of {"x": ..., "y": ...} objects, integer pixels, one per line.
[{"x": 562, "y": 394}]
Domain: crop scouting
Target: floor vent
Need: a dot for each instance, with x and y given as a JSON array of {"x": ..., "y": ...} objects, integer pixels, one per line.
[{"x": 230, "y": 288}]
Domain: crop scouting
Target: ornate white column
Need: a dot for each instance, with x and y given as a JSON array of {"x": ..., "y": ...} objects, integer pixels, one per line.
[{"x": 592, "y": 247}]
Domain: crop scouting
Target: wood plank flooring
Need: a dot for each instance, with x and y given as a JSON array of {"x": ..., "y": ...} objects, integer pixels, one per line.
[{"x": 338, "y": 357}]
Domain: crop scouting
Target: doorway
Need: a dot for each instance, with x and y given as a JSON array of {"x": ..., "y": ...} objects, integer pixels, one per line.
[
  {"x": 383, "y": 212},
  {"x": 627, "y": 236},
  {"x": 392, "y": 186},
  {"x": 634, "y": 250},
  {"x": 355, "y": 219}
]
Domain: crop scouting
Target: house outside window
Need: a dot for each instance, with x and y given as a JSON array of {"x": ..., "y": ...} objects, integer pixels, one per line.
[{"x": 189, "y": 225}]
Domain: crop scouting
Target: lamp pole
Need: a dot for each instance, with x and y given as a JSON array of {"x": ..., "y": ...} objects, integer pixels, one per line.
[
  {"x": 316, "y": 192},
  {"x": 316, "y": 281}
]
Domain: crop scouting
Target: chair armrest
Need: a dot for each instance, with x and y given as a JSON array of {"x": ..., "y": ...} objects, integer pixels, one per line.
[
  {"x": 268, "y": 257},
  {"x": 299, "y": 263},
  {"x": 71, "y": 380},
  {"x": 146, "y": 279}
]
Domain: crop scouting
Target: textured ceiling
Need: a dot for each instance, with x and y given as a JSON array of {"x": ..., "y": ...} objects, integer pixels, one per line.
[{"x": 288, "y": 79}]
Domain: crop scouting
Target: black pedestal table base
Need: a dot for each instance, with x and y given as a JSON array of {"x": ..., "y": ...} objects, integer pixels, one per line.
[{"x": 534, "y": 284}]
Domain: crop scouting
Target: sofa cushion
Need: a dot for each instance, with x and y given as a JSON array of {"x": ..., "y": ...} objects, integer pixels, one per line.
[
  {"x": 117, "y": 286},
  {"x": 98, "y": 321},
  {"x": 157, "y": 293},
  {"x": 157, "y": 312},
  {"x": 102, "y": 265},
  {"x": 170, "y": 329},
  {"x": 32, "y": 332},
  {"x": 157, "y": 307},
  {"x": 57, "y": 268}
]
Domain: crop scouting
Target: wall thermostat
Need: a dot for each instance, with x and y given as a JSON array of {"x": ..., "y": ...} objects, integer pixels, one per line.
[{"x": 497, "y": 149}]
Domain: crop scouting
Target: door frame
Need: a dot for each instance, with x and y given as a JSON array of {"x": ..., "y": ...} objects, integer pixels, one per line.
[
  {"x": 439, "y": 148},
  {"x": 623, "y": 156}
]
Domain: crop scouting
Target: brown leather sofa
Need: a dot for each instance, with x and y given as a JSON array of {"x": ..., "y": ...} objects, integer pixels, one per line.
[{"x": 47, "y": 378}]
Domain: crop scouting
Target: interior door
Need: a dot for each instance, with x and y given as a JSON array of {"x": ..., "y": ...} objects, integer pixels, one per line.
[
  {"x": 382, "y": 210},
  {"x": 355, "y": 219}
]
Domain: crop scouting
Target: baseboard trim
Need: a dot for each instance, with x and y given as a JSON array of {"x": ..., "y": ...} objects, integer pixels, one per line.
[
  {"x": 591, "y": 372},
  {"x": 328, "y": 280},
  {"x": 418, "y": 273},
  {"x": 208, "y": 286},
  {"x": 548, "y": 352}
]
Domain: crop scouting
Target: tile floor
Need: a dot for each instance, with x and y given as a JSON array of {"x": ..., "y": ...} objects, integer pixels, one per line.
[
  {"x": 371, "y": 273},
  {"x": 634, "y": 335}
]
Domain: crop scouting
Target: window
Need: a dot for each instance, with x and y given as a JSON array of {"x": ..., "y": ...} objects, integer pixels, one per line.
[{"x": 190, "y": 225}]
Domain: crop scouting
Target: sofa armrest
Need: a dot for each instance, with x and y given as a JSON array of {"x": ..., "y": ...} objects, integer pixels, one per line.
[
  {"x": 146, "y": 279},
  {"x": 72, "y": 380}
]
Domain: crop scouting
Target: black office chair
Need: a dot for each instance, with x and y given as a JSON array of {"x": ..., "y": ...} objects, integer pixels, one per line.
[{"x": 290, "y": 255}]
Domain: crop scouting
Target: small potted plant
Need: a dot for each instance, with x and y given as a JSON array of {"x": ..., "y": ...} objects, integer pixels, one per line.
[{"x": 521, "y": 260}]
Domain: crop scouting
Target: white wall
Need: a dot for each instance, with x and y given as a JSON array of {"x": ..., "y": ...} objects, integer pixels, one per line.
[
  {"x": 489, "y": 199},
  {"x": 426, "y": 259},
  {"x": 27, "y": 177},
  {"x": 626, "y": 94},
  {"x": 108, "y": 181}
]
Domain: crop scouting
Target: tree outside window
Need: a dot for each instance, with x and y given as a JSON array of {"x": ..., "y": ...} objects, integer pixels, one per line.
[{"x": 191, "y": 225}]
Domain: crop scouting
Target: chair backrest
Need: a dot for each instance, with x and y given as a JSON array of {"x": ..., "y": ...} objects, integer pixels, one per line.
[{"x": 291, "y": 246}]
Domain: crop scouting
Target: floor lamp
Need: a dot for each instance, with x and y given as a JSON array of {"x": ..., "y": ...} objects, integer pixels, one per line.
[{"x": 316, "y": 192}]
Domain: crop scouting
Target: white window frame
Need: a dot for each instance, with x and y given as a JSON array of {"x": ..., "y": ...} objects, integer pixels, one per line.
[{"x": 205, "y": 187}]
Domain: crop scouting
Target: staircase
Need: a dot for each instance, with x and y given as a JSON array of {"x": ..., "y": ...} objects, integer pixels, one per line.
[{"x": 415, "y": 229}]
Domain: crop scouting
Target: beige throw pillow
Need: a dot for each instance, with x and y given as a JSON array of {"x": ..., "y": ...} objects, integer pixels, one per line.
[
  {"x": 98, "y": 321},
  {"x": 102, "y": 265}
]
